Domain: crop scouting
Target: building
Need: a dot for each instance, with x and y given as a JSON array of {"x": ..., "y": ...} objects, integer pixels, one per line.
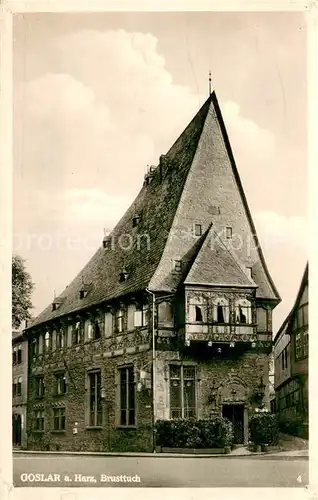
[
  {"x": 172, "y": 317},
  {"x": 19, "y": 388},
  {"x": 291, "y": 361}
]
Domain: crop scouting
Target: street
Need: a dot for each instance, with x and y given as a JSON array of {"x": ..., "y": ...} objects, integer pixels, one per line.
[{"x": 66, "y": 471}]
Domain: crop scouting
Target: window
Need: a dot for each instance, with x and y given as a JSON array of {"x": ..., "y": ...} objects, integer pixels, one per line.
[
  {"x": 135, "y": 221},
  {"x": 19, "y": 386},
  {"x": 19, "y": 354},
  {"x": 228, "y": 233},
  {"x": 298, "y": 346},
  {"x": 178, "y": 266},
  {"x": 243, "y": 311},
  {"x": 36, "y": 346},
  {"x": 14, "y": 355},
  {"x": 94, "y": 329},
  {"x": 286, "y": 357},
  {"x": 39, "y": 386},
  {"x": 197, "y": 229},
  {"x": 249, "y": 272},
  {"x": 198, "y": 310},
  {"x": 165, "y": 314},
  {"x": 60, "y": 383},
  {"x": 127, "y": 396},
  {"x": 47, "y": 341},
  {"x": 141, "y": 315},
  {"x": 119, "y": 320},
  {"x": 60, "y": 339},
  {"x": 283, "y": 359},
  {"x": 221, "y": 310},
  {"x": 39, "y": 420},
  {"x": 95, "y": 399},
  {"x": 182, "y": 392},
  {"x": 14, "y": 387},
  {"x": 77, "y": 333},
  {"x": 305, "y": 343},
  {"x": 59, "y": 419}
]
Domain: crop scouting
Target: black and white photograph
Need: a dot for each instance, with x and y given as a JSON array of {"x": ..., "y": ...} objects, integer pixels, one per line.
[{"x": 160, "y": 262}]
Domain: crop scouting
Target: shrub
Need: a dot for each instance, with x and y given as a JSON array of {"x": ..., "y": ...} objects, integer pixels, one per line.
[
  {"x": 292, "y": 425},
  {"x": 182, "y": 433},
  {"x": 263, "y": 429}
]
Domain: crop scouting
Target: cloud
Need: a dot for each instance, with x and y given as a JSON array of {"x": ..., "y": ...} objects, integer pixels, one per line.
[
  {"x": 275, "y": 230},
  {"x": 85, "y": 131}
]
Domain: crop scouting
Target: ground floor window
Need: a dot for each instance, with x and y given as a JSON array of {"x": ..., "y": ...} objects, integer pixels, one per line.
[
  {"x": 39, "y": 420},
  {"x": 95, "y": 399},
  {"x": 59, "y": 419},
  {"x": 127, "y": 396},
  {"x": 182, "y": 391}
]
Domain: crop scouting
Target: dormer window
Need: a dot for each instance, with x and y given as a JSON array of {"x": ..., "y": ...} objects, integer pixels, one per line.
[
  {"x": 106, "y": 241},
  {"x": 56, "y": 303},
  {"x": 124, "y": 275},
  {"x": 228, "y": 233},
  {"x": 197, "y": 229},
  {"x": 135, "y": 221},
  {"x": 83, "y": 293}
]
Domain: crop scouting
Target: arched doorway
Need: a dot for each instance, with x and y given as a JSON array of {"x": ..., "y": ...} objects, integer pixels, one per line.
[{"x": 16, "y": 429}]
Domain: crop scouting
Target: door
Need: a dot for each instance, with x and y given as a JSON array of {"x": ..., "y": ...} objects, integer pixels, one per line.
[
  {"x": 16, "y": 430},
  {"x": 235, "y": 414}
]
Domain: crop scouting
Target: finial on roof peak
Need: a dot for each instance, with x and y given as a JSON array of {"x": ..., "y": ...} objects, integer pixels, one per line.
[{"x": 210, "y": 83}]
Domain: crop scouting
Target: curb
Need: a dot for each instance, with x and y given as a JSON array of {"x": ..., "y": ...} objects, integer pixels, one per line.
[{"x": 278, "y": 455}]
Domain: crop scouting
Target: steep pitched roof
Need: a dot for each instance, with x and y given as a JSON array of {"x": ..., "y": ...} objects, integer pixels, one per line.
[
  {"x": 198, "y": 176},
  {"x": 213, "y": 193},
  {"x": 216, "y": 265},
  {"x": 156, "y": 205}
]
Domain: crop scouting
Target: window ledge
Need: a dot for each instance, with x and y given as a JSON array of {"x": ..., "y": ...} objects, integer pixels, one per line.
[
  {"x": 56, "y": 395},
  {"x": 36, "y": 431},
  {"x": 127, "y": 427},
  {"x": 39, "y": 397},
  {"x": 94, "y": 427},
  {"x": 58, "y": 431}
]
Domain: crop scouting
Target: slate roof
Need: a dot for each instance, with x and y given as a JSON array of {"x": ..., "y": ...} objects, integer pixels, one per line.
[
  {"x": 161, "y": 205},
  {"x": 156, "y": 204},
  {"x": 216, "y": 265}
]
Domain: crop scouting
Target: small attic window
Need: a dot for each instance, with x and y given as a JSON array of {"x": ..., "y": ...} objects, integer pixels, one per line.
[
  {"x": 106, "y": 241},
  {"x": 249, "y": 272},
  {"x": 124, "y": 275},
  {"x": 228, "y": 233},
  {"x": 55, "y": 306},
  {"x": 135, "y": 221},
  {"x": 197, "y": 229},
  {"x": 178, "y": 266},
  {"x": 83, "y": 293}
]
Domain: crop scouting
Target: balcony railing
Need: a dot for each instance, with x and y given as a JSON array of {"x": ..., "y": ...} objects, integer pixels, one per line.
[{"x": 224, "y": 333}]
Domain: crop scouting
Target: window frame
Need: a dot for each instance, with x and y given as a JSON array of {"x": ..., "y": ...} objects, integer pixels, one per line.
[
  {"x": 243, "y": 304},
  {"x": 14, "y": 355},
  {"x": 95, "y": 409},
  {"x": 38, "y": 420},
  {"x": 229, "y": 232},
  {"x": 60, "y": 338},
  {"x": 19, "y": 354},
  {"x": 57, "y": 383},
  {"x": 127, "y": 406},
  {"x": 197, "y": 229},
  {"x": 182, "y": 410},
  {"x": 77, "y": 333},
  {"x": 59, "y": 418},
  {"x": 224, "y": 303},
  {"x": 39, "y": 386},
  {"x": 47, "y": 341},
  {"x": 196, "y": 303},
  {"x": 142, "y": 310}
]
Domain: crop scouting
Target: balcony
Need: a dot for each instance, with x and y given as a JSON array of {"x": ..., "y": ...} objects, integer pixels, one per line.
[{"x": 200, "y": 332}]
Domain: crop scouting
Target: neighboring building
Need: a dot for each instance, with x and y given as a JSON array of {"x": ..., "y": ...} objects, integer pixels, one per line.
[
  {"x": 19, "y": 388},
  {"x": 172, "y": 317},
  {"x": 291, "y": 360}
]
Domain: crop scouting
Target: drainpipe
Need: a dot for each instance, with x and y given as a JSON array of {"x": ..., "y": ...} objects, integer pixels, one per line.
[{"x": 153, "y": 371}]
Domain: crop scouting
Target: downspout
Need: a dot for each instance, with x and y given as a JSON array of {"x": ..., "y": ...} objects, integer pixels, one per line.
[{"x": 153, "y": 371}]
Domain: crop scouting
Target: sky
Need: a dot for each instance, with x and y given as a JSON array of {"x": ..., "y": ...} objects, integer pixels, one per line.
[{"x": 98, "y": 97}]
